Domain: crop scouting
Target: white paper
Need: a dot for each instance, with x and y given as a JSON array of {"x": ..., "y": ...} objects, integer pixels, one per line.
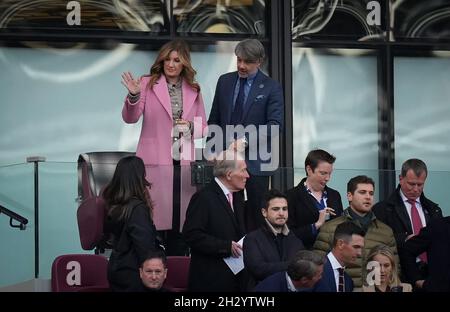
[{"x": 236, "y": 264}]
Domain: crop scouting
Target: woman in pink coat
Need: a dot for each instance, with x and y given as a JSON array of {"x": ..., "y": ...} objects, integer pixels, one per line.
[{"x": 171, "y": 104}]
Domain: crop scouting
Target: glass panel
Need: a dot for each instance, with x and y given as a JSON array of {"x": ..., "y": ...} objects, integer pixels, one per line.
[
  {"x": 335, "y": 106},
  {"x": 58, "y": 223},
  {"x": 58, "y": 229},
  {"x": 73, "y": 107},
  {"x": 109, "y": 15},
  {"x": 421, "y": 19},
  {"x": 17, "y": 247},
  {"x": 75, "y": 98},
  {"x": 421, "y": 129},
  {"x": 225, "y": 17},
  {"x": 338, "y": 19}
]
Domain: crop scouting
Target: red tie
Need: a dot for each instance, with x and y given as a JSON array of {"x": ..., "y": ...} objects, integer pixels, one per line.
[
  {"x": 230, "y": 199},
  {"x": 417, "y": 224}
]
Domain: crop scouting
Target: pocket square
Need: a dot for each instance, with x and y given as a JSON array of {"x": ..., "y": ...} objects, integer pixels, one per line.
[{"x": 259, "y": 97}]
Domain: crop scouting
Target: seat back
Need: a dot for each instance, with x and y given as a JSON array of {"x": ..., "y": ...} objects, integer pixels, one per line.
[
  {"x": 95, "y": 170},
  {"x": 177, "y": 273},
  {"x": 91, "y": 216},
  {"x": 79, "y": 272}
]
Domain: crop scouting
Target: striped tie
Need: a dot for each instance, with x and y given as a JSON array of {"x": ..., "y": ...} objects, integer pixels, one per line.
[{"x": 341, "y": 285}]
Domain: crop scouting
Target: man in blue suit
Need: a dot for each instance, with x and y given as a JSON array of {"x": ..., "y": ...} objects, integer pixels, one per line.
[
  {"x": 248, "y": 113},
  {"x": 348, "y": 243},
  {"x": 303, "y": 272}
]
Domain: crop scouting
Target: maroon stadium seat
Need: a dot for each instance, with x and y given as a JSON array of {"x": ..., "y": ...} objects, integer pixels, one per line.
[{"x": 80, "y": 272}]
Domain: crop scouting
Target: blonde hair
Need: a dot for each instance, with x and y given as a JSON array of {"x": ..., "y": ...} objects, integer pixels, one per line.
[
  {"x": 187, "y": 73},
  {"x": 384, "y": 250}
]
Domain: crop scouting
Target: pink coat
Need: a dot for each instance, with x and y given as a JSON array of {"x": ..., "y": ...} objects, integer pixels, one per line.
[{"x": 155, "y": 144}]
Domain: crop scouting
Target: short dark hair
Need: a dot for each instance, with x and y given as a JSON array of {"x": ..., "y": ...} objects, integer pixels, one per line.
[
  {"x": 345, "y": 231},
  {"x": 361, "y": 179},
  {"x": 156, "y": 254},
  {"x": 414, "y": 164},
  {"x": 304, "y": 264},
  {"x": 315, "y": 156},
  {"x": 271, "y": 194}
]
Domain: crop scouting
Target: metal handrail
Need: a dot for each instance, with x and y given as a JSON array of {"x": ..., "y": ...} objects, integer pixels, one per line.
[{"x": 14, "y": 216}]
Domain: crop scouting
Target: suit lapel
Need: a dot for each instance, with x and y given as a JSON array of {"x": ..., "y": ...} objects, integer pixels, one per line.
[
  {"x": 226, "y": 205},
  {"x": 402, "y": 213},
  {"x": 332, "y": 279},
  {"x": 307, "y": 199},
  {"x": 348, "y": 283},
  {"x": 162, "y": 93},
  {"x": 330, "y": 276},
  {"x": 257, "y": 87},
  {"x": 229, "y": 90},
  {"x": 189, "y": 96}
]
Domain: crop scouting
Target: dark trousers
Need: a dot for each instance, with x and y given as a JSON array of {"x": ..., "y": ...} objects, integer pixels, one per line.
[
  {"x": 174, "y": 242},
  {"x": 256, "y": 187},
  {"x": 423, "y": 270}
]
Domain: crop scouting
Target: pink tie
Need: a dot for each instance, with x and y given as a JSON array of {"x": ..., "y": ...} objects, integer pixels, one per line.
[
  {"x": 230, "y": 199},
  {"x": 417, "y": 224}
]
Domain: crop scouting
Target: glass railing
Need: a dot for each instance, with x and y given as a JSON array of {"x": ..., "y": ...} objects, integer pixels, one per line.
[
  {"x": 58, "y": 191},
  {"x": 16, "y": 246}
]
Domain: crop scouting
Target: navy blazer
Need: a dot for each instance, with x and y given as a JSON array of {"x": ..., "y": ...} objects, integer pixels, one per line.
[
  {"x": 303, "y": 211},
  {"x": 274, "y": 283},
  {"x": 328, "y": 283},
  {"x": 264, "y": 106}
]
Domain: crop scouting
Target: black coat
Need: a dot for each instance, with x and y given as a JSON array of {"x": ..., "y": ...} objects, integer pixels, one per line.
[
  {"x": 261, "y": 256},
  {"x": 133, "y": 240},
  {"x": 435, "y": 240},
  {"x": 392, "y": 211},
  {"x": 209, "y": 228},
  {"x": 303, "y": 211}
]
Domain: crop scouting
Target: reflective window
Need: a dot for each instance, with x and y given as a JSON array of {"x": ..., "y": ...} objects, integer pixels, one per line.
[
  {"x": 224, "y": 17},
  {"x": 107, "y": 15},
  {"x": 422, "y": 112},
  {"x": 74, "y": 98},
  {"x": 422, "y": 109},
  {"x": 338, "y": 19},
  {"x": 335, "y": 107},
  {"x": 421, "y": 19}
]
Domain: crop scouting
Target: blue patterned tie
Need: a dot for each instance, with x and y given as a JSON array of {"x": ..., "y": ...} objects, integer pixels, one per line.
[{"x": 236, "y": 116}]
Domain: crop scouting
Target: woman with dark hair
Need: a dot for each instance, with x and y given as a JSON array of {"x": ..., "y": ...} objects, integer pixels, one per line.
[
  {"x": 129, "y": 220},
  {"x": 170, "y": 102}
]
